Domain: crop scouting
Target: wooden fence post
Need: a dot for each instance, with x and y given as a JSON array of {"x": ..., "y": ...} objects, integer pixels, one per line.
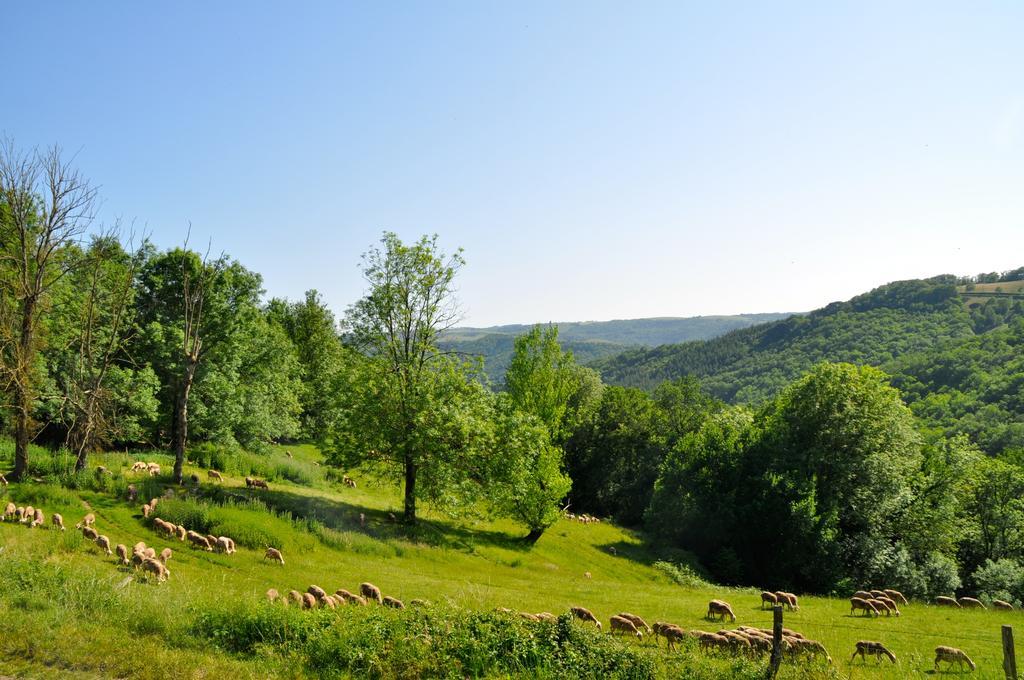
[
  {"x": 1009, "y": 658},
  {"x": 776, "y": 660}
]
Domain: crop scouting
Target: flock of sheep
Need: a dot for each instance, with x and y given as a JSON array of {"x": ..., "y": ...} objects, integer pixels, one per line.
[{"x": 315, "y": 597}]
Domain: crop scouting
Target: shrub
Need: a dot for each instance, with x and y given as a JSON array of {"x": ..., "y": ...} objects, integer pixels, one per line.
[
  {"x": 1000, "y": 580},
  {"x": 681, "y": 574}
]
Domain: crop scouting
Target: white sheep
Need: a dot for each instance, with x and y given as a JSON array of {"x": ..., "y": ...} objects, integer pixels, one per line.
[{"x": 952, "y": 655}]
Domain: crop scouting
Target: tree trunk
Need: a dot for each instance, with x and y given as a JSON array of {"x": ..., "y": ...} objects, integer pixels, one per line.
[
  {"x": 533, "y": 536},
  {"x": 181, "y": 419},
  {"x": 82, "y": 439},
  {"x": 23, "y": 390},
  {"x": 410, "y": 490}
]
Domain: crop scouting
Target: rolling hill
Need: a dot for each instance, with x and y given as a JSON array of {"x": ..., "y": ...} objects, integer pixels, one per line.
[
  {"x": 592, "y": 340},
  {"x": 905, "y": 327}
]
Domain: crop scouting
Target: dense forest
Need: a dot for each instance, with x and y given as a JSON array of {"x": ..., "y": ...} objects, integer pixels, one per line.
[
  {"x": 592, "y": 340},
  {"x": 778, "y": 454}
]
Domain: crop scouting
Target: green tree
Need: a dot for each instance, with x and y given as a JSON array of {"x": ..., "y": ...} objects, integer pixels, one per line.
[
  {"x": 412, "y": 404},
  {"x": 45, "y": 206},
  {"x": 530, "y": 482},
  {"x": 541, "y": 379}
]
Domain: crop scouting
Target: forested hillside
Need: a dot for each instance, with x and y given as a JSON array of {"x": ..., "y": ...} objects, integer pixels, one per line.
[
  {"x": 592, "y": 340},
  {"x": 909, "y": 328}
]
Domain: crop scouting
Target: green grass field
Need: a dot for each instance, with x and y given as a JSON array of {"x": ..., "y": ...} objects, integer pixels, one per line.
[{"x": 69, "y": 611}]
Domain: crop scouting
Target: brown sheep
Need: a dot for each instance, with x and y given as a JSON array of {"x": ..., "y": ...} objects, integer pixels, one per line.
[
  {"x": 810, "y": 648},
  {"x": 328, "y": 602},
  {"x": 371, "y": 592},
  {"x": 584, "y": 614},
  {"x": 37, "y": 519},
  {"x": 104, "y": 543},
  {"x": 671, "y": 632},
  {"x": 881, "y": 606},
  {"x": 625, "y": 626},
  {"x": 344, "y": 594},
  {"x": 137, "y": 559},
  {"x": 87, "y": 521},
  {"x": 971, "y": 603},
  {"x": 213, "y": 474},
  {"x": 865, "y": 647},
  {"x": 28, "y": 515},
  {"x": 147, "y": 510},
  {"x": 89, "y": 533},
  {"x": 952, "y": 655},
  {"x": 1002, "y": 604},
  {"x": 273, "y": 595},
  {"x": 273, "y": 554},
  {"x": 794, "y": 603},
  {"x": 863, "y": 594},
  {"x": 719, "y": 608},
  {"x": 944, "y": 601},
  {"x": 393, "y": 602},
  {"x": 57, "y": 520},
  {"x": 863, "y": 605},
  {"x": 199, "y": 541},
  {"x": 875, "y": 594},
  {"x": 122, "y": 554},
  {"x": 890, "y": 605},
  {"x": 769, "y": 598},
  {"x": 19, "y": 514},
  {"x": 709, "y": 641},
  {"x": 295, "y": 596},
  {"x": 156, "y": 568},
  {"x": 637, "y": 621},
  {"x": 165, "y": 555},
  {"x": 308, "y": 601},
  {"x": 212, "y": 540},
  {"x": 896, "y": 595},
  {"x": 149, "y": 553},
  {"x": 181, "y": 532},
  {"x": 317, "y": 592}
]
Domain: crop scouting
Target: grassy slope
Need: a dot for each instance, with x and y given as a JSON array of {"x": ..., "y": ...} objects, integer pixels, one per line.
[{"x": 472, "y": 564}]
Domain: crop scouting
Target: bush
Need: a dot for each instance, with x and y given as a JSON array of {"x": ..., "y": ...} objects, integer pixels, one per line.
[
  {"x": 681, "y": 574},
  {"x": 1000, "y": 580}
]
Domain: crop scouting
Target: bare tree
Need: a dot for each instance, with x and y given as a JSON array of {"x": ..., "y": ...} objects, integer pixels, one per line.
[{"x": 45, "y": 206}]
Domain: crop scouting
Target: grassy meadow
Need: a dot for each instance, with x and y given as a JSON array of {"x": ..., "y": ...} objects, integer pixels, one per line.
[{"x": 69, "y": 611}]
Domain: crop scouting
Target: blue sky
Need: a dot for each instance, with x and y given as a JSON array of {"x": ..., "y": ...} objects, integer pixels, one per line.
[{"x": 595, "y": 160}]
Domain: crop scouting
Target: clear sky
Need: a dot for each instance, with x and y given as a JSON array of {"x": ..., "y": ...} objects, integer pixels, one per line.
[{"x": 595, "y": 160}]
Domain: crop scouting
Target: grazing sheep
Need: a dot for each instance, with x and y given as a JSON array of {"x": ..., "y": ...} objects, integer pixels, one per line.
[
  {"x": 952, "y": 655},
  {"x": 882, "y": 606},
  {"x": 393, "y": 602},
  {"x": 122, "y": 554},
  {"x": 165, "y": 555},
  {"x": 146, "y": 510},
  {"x": 273, "y": 554},
  {"x": 153, "y": 502},
  {"x": 637, "y": 621},
  {"x": 37, "y": 519},
  {"x": 794, "y": 603},
  {"x": 865, "y": 647},
  {"x": 671, "y": 632},
  {"x": 154, "y": 469},
  {"x": 768, "y": 598},
  {"x": 1002, "y": 604},
  {"x": 19, "y": 513},
  {"x": 273, "y": 595},
  {"x": 104, "y": 543},
  {"x": 225, "y": 545},
  {"x": 359, "y": 600},
  {"x": 149, "y": 553},
  {"x": 944, "y": 601},
  {"x": 810, "y": 648},
  {"x": 138, "y": 465},
  {"x": 213, "y": 474},
  {"x": 181, "y": 532},
  {"x": 877, "y": 594},
  {"x": 544, "y": 616},
  {"x": 344, "y": 594},
  {"x": 308, "y": 601},
  {"x": 139, "y": 547},
  {"x": 863, "y": 594},
  {"x": 863, "y": 605},
  {"x": 584, "y": 614},
  {"x": 28, "y": 515},
  {"x": 212, "y": 540},
  {"x": 371, "y": 592},
  {"x": 719, "y": 608},
  {"x": 87, "y": 521},
  {"x": 896, "y": 595},
  {"x": 317, "y": 592},
  {"x": 57, "y": 520},
  {"x": 137, "y": 559},
  {"x": 10, "y": 511},
  {"x": 625, "y": 626},
  {"x": 889, "y": 605},
  {"x": 101, "y": 470},
  {"x": 965, "y": 602},
  {"x": 529, "y": 617},
  {"x": 89, "y": 533},
  {"x": 295, "y": 596},
  {"x": 328, "y": 602},
  {"x": 194, "y": 478},
  {"x": 156, "y": 568},
  {"x": 133, "y": 493},
  {"x": 199, "y": 541},
  {"x": 708, "y": 641}
]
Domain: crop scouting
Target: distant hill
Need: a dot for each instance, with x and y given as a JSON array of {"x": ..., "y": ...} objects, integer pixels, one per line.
[
  {"x": 592, "y": 340},
  {"x": 947, "y": 341}
]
